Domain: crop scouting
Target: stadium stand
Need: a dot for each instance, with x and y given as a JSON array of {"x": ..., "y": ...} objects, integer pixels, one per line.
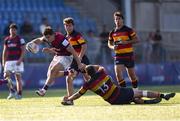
[
  {"x": 55, "y": 10},
  {"x": 87, "y": 19}
]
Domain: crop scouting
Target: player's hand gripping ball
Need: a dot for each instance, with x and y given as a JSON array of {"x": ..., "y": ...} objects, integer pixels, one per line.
[{"x": 32, "y": 47}]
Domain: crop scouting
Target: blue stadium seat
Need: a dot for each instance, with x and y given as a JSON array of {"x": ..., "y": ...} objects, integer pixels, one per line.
[{"x": 54, "y": 10}]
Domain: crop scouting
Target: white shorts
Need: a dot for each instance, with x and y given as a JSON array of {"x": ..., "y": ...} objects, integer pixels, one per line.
[
  {"x": 12, "y": 67},
  {"x": 63, "y": 60}
]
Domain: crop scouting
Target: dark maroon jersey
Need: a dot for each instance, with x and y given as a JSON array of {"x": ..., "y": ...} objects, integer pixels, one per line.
[
  {"x": 13, "y": 47},
  {"x": 61, "y": 43}
]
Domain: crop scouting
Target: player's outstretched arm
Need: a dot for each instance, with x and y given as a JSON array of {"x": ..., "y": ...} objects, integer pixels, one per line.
[
  {"x": 73, "y": 97},
  {"x": 76, "y": 95},
  {"x": 32, "y": 46},
  {"x": 73, "y": 52},
  {"x": 38, "y": 40},
  {"x": 50, "y": 50}
]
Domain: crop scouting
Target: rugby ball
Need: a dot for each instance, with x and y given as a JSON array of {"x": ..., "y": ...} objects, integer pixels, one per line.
[{"x": 32, "y": 47}]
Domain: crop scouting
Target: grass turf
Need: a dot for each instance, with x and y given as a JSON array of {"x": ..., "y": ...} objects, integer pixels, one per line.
[{"x": 89, "y": 107}]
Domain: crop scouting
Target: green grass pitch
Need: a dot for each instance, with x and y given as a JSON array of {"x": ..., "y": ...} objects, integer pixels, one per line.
[{"x": 89, "y": 107}]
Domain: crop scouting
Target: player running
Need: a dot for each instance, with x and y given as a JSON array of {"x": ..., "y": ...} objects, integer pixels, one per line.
[{"x": 63, "y": 57}]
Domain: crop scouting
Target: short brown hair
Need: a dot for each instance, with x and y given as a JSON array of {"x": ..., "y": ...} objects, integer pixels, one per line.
[
  {"x": 48, "y": 31},
  {"x": 68, "y": 20},
  {"x": 13, "y": 26},
  {"x": 90, "y": 70},
  {"x": 118, "y": 13}
]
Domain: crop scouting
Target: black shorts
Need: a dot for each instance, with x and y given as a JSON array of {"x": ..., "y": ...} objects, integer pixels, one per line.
[
  {"x": 84, "y": 60},
  {"x": 125, "y": 96},
  {"x": 125, "y": 59}
]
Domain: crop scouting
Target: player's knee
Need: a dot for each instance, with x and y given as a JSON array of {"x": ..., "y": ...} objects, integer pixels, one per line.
[
  {"x": 53, "y": 72},
  {"x": 18, "y": 77},
  {"x": 48, "y": 73},
  {"x": 119, "y": 77}
]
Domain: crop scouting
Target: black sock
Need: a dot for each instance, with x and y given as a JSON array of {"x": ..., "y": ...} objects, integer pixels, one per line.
[
  {"x": 162, "y": 95},
  {"x": 45, "y": 87},
  {"x": 145, "y": 101},
  {"x": 152, "y": 101},
  {"x": 20, "y": 92},
  {"x": 134, "y": 83},
  {"x": 12, "y": 90}
]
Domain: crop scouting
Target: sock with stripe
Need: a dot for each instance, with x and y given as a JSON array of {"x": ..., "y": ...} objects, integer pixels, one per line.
[
  {"x": 134, "y": 83},
  {"x": 122, "y": 83}
]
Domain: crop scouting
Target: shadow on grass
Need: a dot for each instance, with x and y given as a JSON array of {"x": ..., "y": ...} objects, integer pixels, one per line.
[
  {"x": 32, "y": 94},
  {"x": 107, "y": 105}
]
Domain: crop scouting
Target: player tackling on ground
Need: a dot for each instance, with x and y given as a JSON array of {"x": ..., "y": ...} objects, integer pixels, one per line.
[{"x": 101, "y": 84}]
